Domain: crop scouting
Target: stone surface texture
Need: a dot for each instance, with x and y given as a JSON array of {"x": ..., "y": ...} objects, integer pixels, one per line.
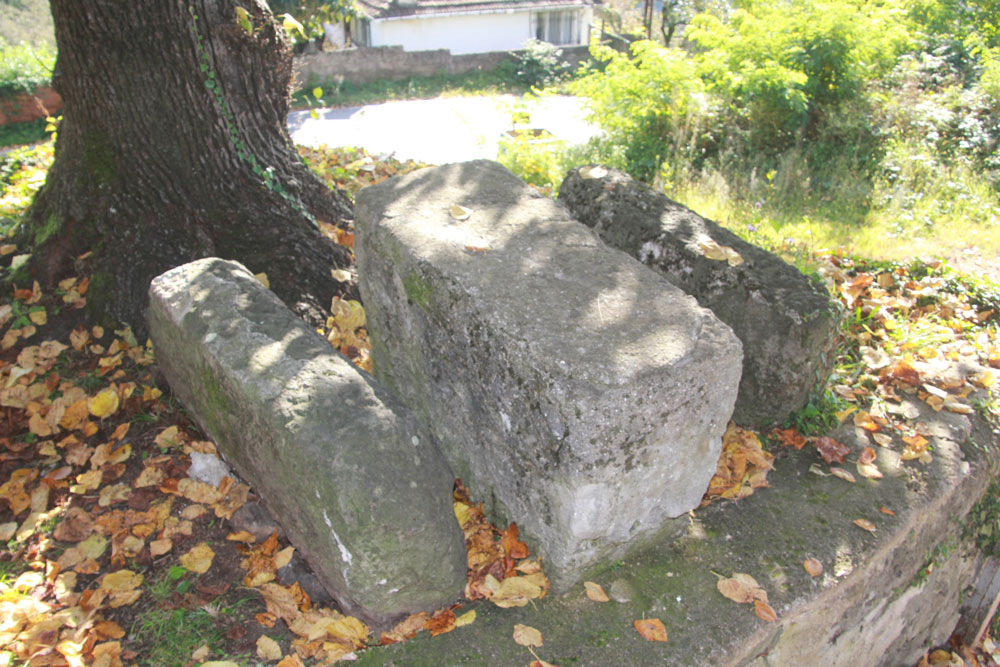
[
  {"x": 575, "y": 391},
  {"x": 875, "y": 604},
  {"x": 360, "y": 488},
  {"x": 787, "y": 323}
]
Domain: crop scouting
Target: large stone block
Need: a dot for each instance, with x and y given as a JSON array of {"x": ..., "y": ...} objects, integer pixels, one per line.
[
  {"x": 358, "y": 485},
  {"x": 577, "y": 391},
  {"x": 787, "y": 323}
]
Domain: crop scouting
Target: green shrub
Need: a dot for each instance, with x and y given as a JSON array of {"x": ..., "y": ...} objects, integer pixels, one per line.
[
  {"x": 538, "y": 65},
  {"x": 651, "y": 103},
  {"x": 23, "y": 67}
]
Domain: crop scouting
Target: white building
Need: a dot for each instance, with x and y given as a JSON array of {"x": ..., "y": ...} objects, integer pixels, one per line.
[{"x": 471, "y": 26}]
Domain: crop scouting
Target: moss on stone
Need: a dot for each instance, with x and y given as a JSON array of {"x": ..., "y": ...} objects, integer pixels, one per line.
[{"x": 417, "y": 289}]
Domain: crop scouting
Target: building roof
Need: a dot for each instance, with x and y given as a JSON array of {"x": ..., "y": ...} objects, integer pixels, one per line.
[{"x": 382, "y": 9}]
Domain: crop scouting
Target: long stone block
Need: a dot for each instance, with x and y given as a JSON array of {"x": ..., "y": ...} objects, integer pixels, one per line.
[
  {"x": 358, "y": 485},
  {"x": 788, "y": 324},
  {"x": 575, "y": 390}
]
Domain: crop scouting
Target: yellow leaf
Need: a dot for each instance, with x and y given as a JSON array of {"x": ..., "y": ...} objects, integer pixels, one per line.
[
  {"x": 268, "y": 649},
  {"x": 122, "y": 580},
  {"x": 317, "y": 93},
  {"x": 460, "y": 212},
  {"x": 651, "y": 629},
  {"x": 104, "y": 404},
  {"x": 242, "y": 536},
  {"x": 160, "y": 547},
  {"x": 595, "y": 592},
  {"x": 289, "y": 23},
  {"x": 243, "y": 18},
  {"x": 198, "y": 559},
  {"x": 283, "y": 557},
  {"x": 38, "y": 317},
  {"x": 262, "y": 279},
  {"x": 466, "y": 618},
  {"x": 340, "y": 275},
  {"x": 515, "y": 592},
  {"x": 525, "y": 635}
]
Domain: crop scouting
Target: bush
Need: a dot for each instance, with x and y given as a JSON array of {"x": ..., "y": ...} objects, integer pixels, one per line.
[
  {"x": 538, "y": 64},
  {"x": 651, "y": 103},
  {"x": 23, "y": 67}
]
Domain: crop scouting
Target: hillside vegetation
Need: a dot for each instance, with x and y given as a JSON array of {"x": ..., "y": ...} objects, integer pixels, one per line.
[{"x": 868, "y": 124}]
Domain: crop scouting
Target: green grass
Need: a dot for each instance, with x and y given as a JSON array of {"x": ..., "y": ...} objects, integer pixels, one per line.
[
  {"x": 26, "y": 21},
  {"x": 169, "y": 636}
]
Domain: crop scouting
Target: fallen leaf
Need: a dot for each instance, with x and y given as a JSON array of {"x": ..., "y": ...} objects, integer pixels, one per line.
[
  {"x": 198, "y": 559},
  {"x": 869, "y": 470},
  {"x": 525, "y": 635},
  {"x": 867, "y": 455},
  {"x": 764, "y": 611},
  {"x": 76, "y": 526},
  {"x": 842, "y": 474},
  {"x": 865, "y": 524},
  {"x": 831, "y": 450},
  {"x": 886, "y": 510},
  {"x": 460, "y": 212},
  {"x": 595, "y": 592},
  {"x": 741, "y": 588},
  {"x": 407, "y": 628},
  {"x": 268, "y": 649},
  {"x": 651, "y": 629},
  {"x": 441, "y": 622},
  {"x": 466, "y": 618},
  {"x": 104, "y": 404},
  {"x": 813, "y": 567}
]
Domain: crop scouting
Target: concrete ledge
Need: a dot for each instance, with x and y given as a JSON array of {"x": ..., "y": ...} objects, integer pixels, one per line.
[{"x": 874, "y": 605}]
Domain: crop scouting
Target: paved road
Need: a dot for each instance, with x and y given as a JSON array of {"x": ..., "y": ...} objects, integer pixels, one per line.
[{"x": 441, "y": 130}]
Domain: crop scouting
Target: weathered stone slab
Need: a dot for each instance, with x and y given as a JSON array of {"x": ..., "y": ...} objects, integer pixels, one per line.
[
  {"x": 359, "y": 487},
  {"x": 787, "y": 323},
  {"x": 578, "y": 392}
]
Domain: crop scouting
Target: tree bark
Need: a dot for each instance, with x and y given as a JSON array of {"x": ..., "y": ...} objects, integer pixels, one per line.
[{"x": 173, "y": 146}]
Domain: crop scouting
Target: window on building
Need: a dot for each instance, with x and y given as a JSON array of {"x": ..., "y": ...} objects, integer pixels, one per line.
[{"x": 558, "y": 27}]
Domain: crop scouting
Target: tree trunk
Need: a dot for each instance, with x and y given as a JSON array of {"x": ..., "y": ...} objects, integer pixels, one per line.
[{"x": 173, "y": 146}]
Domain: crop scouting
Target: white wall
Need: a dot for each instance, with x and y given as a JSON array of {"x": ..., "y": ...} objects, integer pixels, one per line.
[{"x": 475, "y": 33}]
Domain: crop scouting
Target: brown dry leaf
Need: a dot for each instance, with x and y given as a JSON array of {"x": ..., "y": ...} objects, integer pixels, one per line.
[
  {"x": 76, "y": 526},
  {"x": 789, "y": 437},
  {"x": 867, "y": 455},
  {"x": 865, "y": 524},
  {"x": 831, "y": 450},
  {"x": 198, "y": 492},
  {"x": 741, "y": 588},
  {"x": 268, "y": 649},
  {"x": 198, "y": 559},
  {"x": 916, "y": 446},
  {"x": 886, "y": 510},
  {"x": 525, "y": 635},
  {"x": 407, "y": 628},
  {"x": 441, "y": 622},
  {"x": 595, "y": 592},
  {"x": 540, "y": 663},
  {"x": 842, "y": 474},
  {"x": 813, "y": 567},
  {"x": 764, "y": 611},
  {"x": 517, "y": 591},
  {"x": 280, "y": 602},
  {"x": 169, "y": 437},
  {"x": 160, "y": 547},
  {"x": 292, "y": 660},
  {"x": 651, "y": 629}
]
